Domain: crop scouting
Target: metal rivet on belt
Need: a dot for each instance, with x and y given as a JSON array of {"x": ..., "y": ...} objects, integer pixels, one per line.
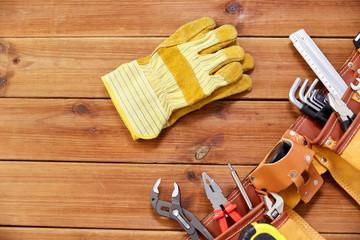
[
  {"x": 253, "y": 179},
  {"x": 292, "y": 133},
  {"x": 323, "y": 160},
  {"x": 350, "y": 64},
  {"x": 358, "y": 71},
  {"x": 293, "y": 175},
  {"x": 316, "y": 182},
  {"x": 307, "y": 158},
  {"x": 328, "y": 142}
]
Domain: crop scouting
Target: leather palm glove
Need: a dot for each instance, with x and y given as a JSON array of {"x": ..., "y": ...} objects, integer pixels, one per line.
[{"x": 196, "y": 65}]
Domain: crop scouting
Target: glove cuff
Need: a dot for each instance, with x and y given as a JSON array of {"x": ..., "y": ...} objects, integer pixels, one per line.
[{"x": 135, "y": 101}]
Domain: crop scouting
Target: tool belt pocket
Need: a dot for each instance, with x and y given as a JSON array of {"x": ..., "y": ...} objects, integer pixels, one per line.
[
  {"x": 337, "y": 150},
  {"x": 256, "y": 214},
  {"x": 332, "y": 136},
  {"x": 290, "y": 163}
]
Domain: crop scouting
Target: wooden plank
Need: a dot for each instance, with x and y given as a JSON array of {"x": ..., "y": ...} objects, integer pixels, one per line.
[
  {"x": 138, "y": 18},
  {"x": 92, "y": 130},
  {"x": 341, "y": 236},
  {"x": 85, "y": 195},
  {"x": 72, "y": 67},
  {"x": 16, "y": 233}
]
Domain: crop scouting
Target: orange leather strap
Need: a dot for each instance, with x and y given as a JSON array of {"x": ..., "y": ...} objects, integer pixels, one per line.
[{"x": 290, "y": 169}]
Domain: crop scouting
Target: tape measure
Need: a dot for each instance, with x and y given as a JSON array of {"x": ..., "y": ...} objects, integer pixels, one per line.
[
  {"x": 260, "y": 231},
  {"x": 318, "y": 63}
]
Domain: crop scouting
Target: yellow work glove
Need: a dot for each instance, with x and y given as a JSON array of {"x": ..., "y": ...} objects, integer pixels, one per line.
[{"x": 182, "y": 71}]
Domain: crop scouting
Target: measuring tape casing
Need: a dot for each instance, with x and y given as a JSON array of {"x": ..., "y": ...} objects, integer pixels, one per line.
[{"x": 260, "y": 231}]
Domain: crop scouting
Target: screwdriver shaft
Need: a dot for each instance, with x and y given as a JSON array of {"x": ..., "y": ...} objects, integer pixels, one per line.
[{"x": 240, "y": 186}]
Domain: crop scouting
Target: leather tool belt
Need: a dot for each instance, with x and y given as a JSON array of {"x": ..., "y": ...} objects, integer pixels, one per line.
[
  {"x": 296, "y": 175},
  {"x": 316, "y": 149}
]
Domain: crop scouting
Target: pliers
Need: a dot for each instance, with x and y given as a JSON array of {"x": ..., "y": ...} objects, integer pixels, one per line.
[
  {"x": 220, "y": 204},
  {"x": 345, "y": 114},
  {"x": 174, "y": 211}
]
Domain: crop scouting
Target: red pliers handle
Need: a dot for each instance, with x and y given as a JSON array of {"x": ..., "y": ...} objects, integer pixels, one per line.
[{"x": 219, "y": 215}]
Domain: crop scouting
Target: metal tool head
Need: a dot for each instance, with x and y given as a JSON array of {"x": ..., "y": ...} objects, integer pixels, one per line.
[
  {"x": 213, "y": 192},
  {"x": 303, "y": 96},
  {"x": 161, "y": 207},
  {"x": 302, "y": 90},
  {"x": 155, "y": 193},
  {"x": 174, "y": 211},
  {"x": 340, "y": 107},
  {"x": 313, "y": 95},
  {"x": 311, "y": 88},
  {"x": 175, "y": 196},
  {"x": 292, "y": 92},
  {"x": 356, "y": 87},
  {"x": 318, "y": 98},
  {"x": 276, "y": 208}
]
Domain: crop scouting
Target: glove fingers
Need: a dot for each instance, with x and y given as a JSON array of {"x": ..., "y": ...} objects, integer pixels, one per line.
[
  {"x": 190, "y": 31},
  {"x": 247, "y": 63},
  {"x": 225, "y": 35},
  {"x": 231, "y": 72},
  {"x": 244, "y": 84},
  {"x": 228, "y": 55}
]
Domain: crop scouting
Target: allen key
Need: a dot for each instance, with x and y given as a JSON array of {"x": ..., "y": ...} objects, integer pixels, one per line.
[
  {"x": 317, "y": 116},
  {"x": 303, "y": 96},
  {"x": 311, "y": 93},
  {"x": 292, "y": 91}
]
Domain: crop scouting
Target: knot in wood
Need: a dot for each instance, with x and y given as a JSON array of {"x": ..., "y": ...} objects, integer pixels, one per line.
[
  {"x": 16, "y": 60},
  {"x": 80, "y": 109},
  {"x": 92, "y": 130},
  {"x": 3, "y": 81},
  {"x": 191, "y": 176},
  {"x": 202, "y": 152},
  {"x": 233, "y": 7}
]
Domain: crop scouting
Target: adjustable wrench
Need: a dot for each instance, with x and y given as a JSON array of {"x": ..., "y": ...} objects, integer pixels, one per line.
[{"x": 276, "y": 208}]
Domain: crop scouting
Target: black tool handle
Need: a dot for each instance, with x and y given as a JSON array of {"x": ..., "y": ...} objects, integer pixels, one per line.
[
  {"x": 346, "y": 124},
  {"x": 318, "y": 117},
  {"x": 327, "y": 110}
]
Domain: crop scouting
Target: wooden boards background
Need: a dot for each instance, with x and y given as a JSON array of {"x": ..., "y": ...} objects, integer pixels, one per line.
[{"x": 68, "y": 166}]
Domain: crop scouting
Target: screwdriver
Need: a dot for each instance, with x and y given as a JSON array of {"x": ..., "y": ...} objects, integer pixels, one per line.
[{"x": 240, "y": 186}]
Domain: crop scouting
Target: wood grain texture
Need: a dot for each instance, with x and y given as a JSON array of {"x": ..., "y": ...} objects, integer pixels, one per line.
[
  {"x": 117, "y": 195},
  {"x": 69, "y": 168},
  {"x": 92, "y": 130},
  {"x": 142, "y": 18},
  {"x": 72, "y": 67},
  {"x": 16, "y": 233}
]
